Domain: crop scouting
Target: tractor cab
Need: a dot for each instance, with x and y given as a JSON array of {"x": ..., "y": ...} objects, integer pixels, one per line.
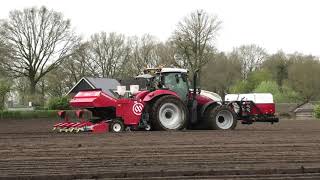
[{"x": 174, "y": 79}]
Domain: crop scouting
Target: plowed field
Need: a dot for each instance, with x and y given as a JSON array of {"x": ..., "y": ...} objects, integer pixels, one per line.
[{"x": 287, "y": 150}]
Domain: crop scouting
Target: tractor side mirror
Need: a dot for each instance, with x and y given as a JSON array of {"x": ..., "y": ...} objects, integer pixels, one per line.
[{"x": 199, "y": 90}]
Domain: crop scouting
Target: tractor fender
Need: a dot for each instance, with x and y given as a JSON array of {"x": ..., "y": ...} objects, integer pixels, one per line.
[
  {"x": 207, "y": 105},
  {"x": 157, "y": 93}
]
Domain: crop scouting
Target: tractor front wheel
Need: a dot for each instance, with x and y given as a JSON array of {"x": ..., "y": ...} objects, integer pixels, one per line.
[
  {"x": 221, "y": 118},
  {"x": 116, "y": 126},
  {"x": 169, "y": 113}
]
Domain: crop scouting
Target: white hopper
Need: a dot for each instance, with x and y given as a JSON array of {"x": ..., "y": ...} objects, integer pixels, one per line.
[{"x": 258, "y": 98}]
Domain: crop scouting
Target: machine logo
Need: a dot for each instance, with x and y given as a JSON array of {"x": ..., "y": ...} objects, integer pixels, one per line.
[{"x": 137, "y": 108}]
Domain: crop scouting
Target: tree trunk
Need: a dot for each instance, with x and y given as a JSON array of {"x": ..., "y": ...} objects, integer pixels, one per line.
[{"x": 32, "y": 87}]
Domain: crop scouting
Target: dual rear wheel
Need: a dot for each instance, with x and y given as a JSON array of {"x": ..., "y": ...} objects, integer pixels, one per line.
[{"x": 170, "y": 113}]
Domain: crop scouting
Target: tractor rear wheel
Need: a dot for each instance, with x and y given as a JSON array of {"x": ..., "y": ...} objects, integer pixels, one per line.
[
  {"x": 116, "y": 126},
  {"x": 169, "y": 113},
  {"x": 221, "y": 118}
]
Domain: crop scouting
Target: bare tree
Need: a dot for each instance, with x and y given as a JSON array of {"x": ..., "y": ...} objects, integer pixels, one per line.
[
  {"x": 108, "y": 54},
  {"x": 219, "y": 75},
  {"x": 76, "y": 66},
  {"x": 3, "y": 57},
  {"x": 166, "y": 53},
  {"x": 194, "y": 39},
  {"x": 56, "y": 83},
  {"x": 39, "y": 40},
  {"x": 143, "y": 53},
  {"x": 60, "y": 80},
  {"x": 251, "y": 57},
  {"x": 4, "y": 83}
]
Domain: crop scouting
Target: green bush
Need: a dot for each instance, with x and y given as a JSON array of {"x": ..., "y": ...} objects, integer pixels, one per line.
[
  {"x": 317, "y": 111},
  {"x": 289, "y": 95},
  {"x": 286, "y": 95},
  {"x": 254, "y": 79},
  {"x": 267, "y": 87},
  {"x": 240, "y": 87},
  {"x": 257, "y": 77},
  {"x": 60, "y": 103}
]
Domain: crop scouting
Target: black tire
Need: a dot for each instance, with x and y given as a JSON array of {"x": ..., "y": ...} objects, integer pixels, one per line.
[
  {"x": 221, "y": 118},
  {"x": 169, "y": 113},
  {"x": 116, "y": 126}
]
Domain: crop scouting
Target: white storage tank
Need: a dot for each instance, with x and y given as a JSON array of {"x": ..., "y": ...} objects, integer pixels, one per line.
[{"x": 258, "y": 98}]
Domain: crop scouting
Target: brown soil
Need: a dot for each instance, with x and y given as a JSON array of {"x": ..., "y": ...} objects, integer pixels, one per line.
[{"x": 287, "y": 150}]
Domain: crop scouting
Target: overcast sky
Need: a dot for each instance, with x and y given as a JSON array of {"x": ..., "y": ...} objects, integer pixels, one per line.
[{"x": 290, "y": 25}]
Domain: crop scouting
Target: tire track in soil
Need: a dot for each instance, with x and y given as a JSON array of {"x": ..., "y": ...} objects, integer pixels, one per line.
[{"x": 288, "y": 150}]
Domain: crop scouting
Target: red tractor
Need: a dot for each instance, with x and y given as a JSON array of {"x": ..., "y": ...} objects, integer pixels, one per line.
[{"x": 168, "y": 103}]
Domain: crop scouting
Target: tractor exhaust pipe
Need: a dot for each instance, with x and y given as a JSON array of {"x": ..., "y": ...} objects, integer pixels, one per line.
[
  {"x": 194, "y": 104},
  {"x": 195, "y": 78}
]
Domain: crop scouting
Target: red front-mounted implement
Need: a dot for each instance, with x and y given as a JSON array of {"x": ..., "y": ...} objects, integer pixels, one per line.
[
  {"x": 81, "y": 126},
  {"x": 168, "y": 103},
  {"x": 105, "y": 109}
]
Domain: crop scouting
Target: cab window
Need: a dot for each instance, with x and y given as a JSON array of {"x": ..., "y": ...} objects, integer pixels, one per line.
[{"x": 175, "y": 82}]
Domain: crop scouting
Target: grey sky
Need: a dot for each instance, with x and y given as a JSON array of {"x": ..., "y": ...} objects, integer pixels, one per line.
[{"x": 290, "y": 25}]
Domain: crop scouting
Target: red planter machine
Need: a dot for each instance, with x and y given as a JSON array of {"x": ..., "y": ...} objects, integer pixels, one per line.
[{"x": 167, "y": 104}]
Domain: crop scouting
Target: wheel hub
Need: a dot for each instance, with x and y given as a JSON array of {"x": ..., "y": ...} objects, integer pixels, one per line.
[
  {"x": 116, "y": 127},
  {"x": 221, "y": 119},
  {"x": 168, "y": 114}
]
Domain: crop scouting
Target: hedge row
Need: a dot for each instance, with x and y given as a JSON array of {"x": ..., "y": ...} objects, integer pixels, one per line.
[{"x": 37, "y": 114}]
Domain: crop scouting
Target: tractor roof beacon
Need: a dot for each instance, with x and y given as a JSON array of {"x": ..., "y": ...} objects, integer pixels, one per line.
[{"x": 168, "y": 103}]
